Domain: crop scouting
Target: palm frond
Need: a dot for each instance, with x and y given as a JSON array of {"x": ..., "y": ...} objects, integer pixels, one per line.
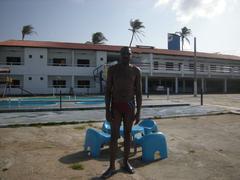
[
  {"x": 138, "y": 38},
  {"x": 141, "y": 33},
  {"x": 187, "y": 40},
  {"x": 136, "y": 29},
  {"x": 184, "y": 33},
  {"x": 98, "y": 38},
  {"x": 27, "y": 30}
]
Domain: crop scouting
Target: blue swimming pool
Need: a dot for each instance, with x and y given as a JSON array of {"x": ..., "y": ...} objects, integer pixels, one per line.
[
  {"x": 91, "y": 102},
  {"x": 64, "y": 98},
  {"x": 18, "y": 103},
  {"x": 53, "y": 101}
]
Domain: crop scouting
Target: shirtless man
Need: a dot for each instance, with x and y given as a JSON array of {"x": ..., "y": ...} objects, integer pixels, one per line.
[{"x": 123, "y": 83}]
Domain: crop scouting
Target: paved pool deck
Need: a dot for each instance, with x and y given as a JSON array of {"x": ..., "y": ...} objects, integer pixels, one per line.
[
  {"x": 156, "y": 106},
  {"x": 201, "y": 144},
  {"x": 199, "y": 148}
]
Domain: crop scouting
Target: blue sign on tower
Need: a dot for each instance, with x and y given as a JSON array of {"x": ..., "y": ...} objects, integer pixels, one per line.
[{"x": 173, "y": 41}]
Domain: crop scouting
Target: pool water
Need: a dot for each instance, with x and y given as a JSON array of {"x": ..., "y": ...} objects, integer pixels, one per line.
[
  {"x": 64, "y": 98},
  {"x": 25, "y": 103},
  {"x": 48, "y": 101},
  {"x": 90, "y": 102}
]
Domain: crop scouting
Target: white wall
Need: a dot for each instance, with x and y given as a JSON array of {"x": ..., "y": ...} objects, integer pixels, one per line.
[
  {"x": 101, "y": 58},
  {"x": 35, "y": 67}
]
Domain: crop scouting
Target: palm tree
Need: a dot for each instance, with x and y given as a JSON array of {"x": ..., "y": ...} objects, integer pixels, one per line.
[
  {"x": 136, "y": 26},
  {"x": 27, "y": 30},
  {"x": 88, "y": 42},
  {"x": 98, "y": 38},
  {"x": 185, "y": 32}
]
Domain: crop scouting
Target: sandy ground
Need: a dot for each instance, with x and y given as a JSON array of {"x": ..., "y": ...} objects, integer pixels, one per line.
[{"x": 200, "y": 148}]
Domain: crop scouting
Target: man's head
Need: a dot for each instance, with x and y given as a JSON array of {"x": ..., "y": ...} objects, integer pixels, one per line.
[{"x": 126, "y": 55}]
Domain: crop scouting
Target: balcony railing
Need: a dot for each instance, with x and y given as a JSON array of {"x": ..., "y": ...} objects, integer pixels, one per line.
[
  {"x": 58, "y": 64},
  {"x": 58, "y": 86},
  {"x": 186, "y": 69},
  {"x": 76, "y": 86},
  {"x": 68, "y": 64},
  {"x": 160, "y": 67},
  {"x": 84, "y": 65},
  {"x": 85, "y": 86},
  {"x": 12, "y": 63}
]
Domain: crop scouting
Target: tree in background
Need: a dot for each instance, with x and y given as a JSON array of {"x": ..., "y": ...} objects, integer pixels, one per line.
[
  {"x": 136, "y": 29},
  {"x": 98, "y": 38},
  {"x": 27, "y": 30},
  {"x": 184, "y": 33}
]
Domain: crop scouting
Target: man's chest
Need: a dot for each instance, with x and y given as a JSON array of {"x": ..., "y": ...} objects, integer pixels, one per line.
[{"x": 124, "y": 75}]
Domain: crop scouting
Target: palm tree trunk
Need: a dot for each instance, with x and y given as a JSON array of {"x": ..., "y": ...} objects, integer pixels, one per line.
[
  {"x": 131, "y": 40},
  {"x": 23, "y": 36}
]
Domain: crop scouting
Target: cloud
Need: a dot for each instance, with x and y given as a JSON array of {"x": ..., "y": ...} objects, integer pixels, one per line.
[
  {"x": 186, "y": 10},
  {"x": 161, "y": 2}
]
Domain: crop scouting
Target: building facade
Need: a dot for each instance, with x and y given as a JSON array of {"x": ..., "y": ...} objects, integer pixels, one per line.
[{"x": 38, "y": 67}]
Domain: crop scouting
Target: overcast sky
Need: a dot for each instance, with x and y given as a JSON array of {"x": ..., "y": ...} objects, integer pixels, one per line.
[{"x": 215, "y": 23}]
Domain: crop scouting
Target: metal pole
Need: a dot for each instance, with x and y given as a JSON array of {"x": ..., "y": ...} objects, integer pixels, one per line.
[
  {"x": 167, "y": 93},
  {"x": 60, "y": 99},
  {"x": 100, "y": 81},
  {"x": 195, "y": 68},
  {"x": 146, "y": 86},
  {"x": 201, "y": 96}
]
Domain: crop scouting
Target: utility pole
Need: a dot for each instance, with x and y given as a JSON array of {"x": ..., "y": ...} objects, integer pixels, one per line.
[{"x": 195, "y": 68}]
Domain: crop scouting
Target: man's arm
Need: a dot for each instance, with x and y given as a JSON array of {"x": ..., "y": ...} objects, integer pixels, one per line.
[
  {"x": 138, "y": 86},
  {"x": 108, "y": 94}
]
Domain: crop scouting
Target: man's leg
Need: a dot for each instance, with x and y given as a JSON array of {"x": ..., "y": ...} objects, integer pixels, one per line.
[
  {"x": 128, "y": 122},
  {"x": 115, "y": 126}
]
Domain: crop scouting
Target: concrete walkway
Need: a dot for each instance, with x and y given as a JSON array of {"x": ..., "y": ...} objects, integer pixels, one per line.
[
  {"x": 213, "y": 104},
  {"x": 99, "y": 115}
]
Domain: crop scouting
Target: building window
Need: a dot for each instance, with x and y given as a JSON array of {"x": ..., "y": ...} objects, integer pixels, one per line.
[
  {"x": 15, "y": 83},
  {"x": 13, "y": 60},
  {"x": 29, "y": 78},
  {"x": 30, "y": 56},
  {"x": 59, "y": 83},
  {"x": 41, "y": 78},
  {"x": 83, "y": 62},
  {"x": 191, "y": 67},
  {"x": 213, "y": 68},
  {"x": 83, "y": 84},
  {"x": 155, "y": 65},
  {"x": 180, "y": 66},
  {"x": 201, "y": 67},
  {"x": 41, "y": 56},
  {"x": 59, "y": 62},
  {"x": 169, "y": 66}
]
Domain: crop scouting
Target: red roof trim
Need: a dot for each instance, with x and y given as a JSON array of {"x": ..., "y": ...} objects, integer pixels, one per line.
[{"x": 111, "y": 48}]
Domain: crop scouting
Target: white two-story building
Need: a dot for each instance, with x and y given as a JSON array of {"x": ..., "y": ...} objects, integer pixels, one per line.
[{"x": 41, "y": 67}]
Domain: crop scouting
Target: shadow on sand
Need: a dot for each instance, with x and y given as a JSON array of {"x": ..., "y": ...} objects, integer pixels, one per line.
[{"x": 82, "y": 156}]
